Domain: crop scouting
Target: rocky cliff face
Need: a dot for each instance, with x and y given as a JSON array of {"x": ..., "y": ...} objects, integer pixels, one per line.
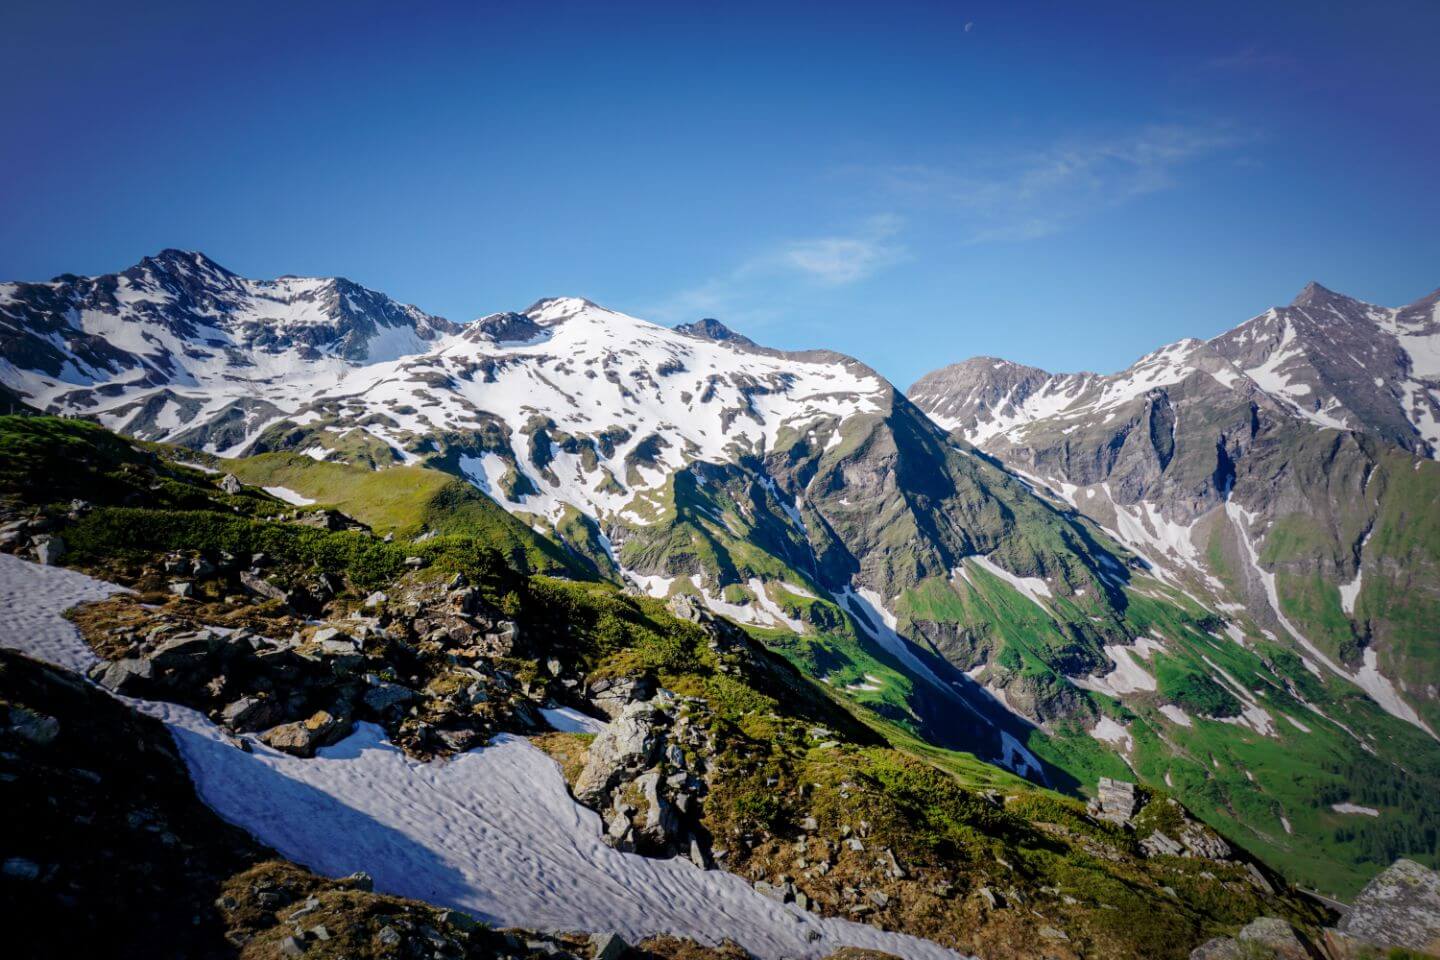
[{"x": 1264, "y": 469}]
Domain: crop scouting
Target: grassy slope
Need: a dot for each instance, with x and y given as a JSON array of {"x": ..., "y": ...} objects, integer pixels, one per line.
[{"x": 408, "y": 501}]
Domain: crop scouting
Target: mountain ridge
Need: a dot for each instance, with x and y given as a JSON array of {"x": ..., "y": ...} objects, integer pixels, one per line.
[{"x": 938, "y": 581}]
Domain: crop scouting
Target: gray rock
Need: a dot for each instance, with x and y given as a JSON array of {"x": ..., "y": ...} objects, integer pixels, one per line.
[
  {"x": 28, "y": 724},
  {"x": 230, "y": 484},
  {"x": 1158, "y": 844},
  {"x": 259, "y": 585},
  {"x": 1275, "y": 935},
  {"x": 608, "y": 946},
  {"x": 612, "y": 695},
  {"x": 1220, "y": 948},
  {"x": 128, "y": 676},
  {"x": 251, "y": 713},
  {"x": 49, "y": 549},
  {"x": 382, "y": 695},
  {"x": 1116, "y": 801},
  {"x": 627, "y": 745},
  {"x": 1400, "y": 907}
]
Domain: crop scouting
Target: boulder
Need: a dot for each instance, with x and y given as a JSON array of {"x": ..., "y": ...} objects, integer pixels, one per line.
[
  {"x": 251, "y": 713},
  {"x": 1159, "y": 844},
  {"x": 230, "y": 484},
  {"x": 613, "y": 694},
  {"x": 130, "y": 676},
  {"x": 49, "y": 550},
  {"x": 1400, "y": 907},
  {"x": 627, "y": 745},
  {"x": 382, "y": 695},
  {"x": 184, "y": 651},
  {"x": 303, "y": 737},
  {"x": 39, "y": 728},
  {"x": 259, "y": 585},
  {"x": 1116, "y": 801},
  {"x": 1276, "y": 936},
  {"x": 1220, "y": 948},
  {"x": 608, "y": 946}
]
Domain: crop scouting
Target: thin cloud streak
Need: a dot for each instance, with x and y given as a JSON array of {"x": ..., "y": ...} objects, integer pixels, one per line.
[
  {"x": 829, "y": 261},
  {"x": 1038, "y": 193}
]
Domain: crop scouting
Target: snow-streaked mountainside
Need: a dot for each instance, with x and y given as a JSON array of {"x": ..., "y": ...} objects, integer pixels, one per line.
[
  {"x": 1255, "y": 469},
  {"x": 1326, "y": 358},
  {"x": 177, "y": 340},
  {"x": 1180, "y": 574}
]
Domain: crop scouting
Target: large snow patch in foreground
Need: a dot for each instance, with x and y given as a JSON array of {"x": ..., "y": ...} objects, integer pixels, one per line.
[{"x": 493, "y": 832}]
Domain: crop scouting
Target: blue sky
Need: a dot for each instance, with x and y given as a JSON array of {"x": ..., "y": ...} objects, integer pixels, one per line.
[{"x": 1066, "y": 184}]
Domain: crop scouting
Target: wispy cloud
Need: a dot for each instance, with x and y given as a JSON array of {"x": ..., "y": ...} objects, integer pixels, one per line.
[
  {"x": 1038, "y": 192},
  {"x": 835, "y": 260},
  {"x": 782, "y": 269},
  {"x": 1252, "y": 59}
]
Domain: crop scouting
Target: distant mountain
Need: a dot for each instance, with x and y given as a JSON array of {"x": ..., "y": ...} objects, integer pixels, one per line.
[
  {"x": 1283, "y": 467},
  {"x": 1088, "y": 594}
]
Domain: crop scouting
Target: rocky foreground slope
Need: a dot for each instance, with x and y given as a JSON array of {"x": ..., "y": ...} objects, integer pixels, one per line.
[{"x": 294, "y": 640}]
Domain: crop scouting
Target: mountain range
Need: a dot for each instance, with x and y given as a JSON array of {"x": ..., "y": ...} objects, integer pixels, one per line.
[{"x": 1215, "y": 572}]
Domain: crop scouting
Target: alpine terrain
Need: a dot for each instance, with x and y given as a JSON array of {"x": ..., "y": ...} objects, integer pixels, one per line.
[{"x": 647, "y": 641}]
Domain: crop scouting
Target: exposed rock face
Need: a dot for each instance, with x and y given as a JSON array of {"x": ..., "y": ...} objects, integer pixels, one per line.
[
  {"x": 1194, "y": 454},
  {"x": 1398, "y": 908},
  {"x": 1116, "y": 801},
  {"x": 638, "y": 776},
  {"x": 628, "y": 745}
]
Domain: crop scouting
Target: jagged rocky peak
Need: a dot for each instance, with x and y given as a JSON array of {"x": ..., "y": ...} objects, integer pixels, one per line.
[
  {"x": 1315, "y": 294},
  {"x": 503, "y": 328},
  {"x": 708, "y": 328},
  {"x": 549, "y": 311}
]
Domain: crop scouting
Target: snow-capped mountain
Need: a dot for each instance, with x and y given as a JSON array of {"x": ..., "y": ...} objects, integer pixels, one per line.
[
  {"x": 177, "y": 342},
  {"x": 1327, "y": 358},
  {"x": 1084, "y": 604},
  {"x": 1270, "y": 469}
]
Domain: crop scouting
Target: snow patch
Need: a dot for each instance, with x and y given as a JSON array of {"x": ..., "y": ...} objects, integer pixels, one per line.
[{"x": 288, "y": 495}]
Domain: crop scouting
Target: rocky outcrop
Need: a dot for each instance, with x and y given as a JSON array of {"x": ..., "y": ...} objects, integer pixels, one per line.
[
  {"x": 645, "y": 774},
  {"x": 1115, "y": 802},
  {"x": 1265, "y": 938},
  {"x": 1398, "y": 908}
]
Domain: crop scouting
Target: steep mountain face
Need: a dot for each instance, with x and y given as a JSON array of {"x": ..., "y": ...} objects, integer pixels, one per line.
[
  {"x": 1280, "y": 467},
  {"x": 945, "y": 592}
]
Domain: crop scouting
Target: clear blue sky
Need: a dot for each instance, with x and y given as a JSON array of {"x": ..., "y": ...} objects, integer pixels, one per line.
[{"x": 1067, "y": 184}]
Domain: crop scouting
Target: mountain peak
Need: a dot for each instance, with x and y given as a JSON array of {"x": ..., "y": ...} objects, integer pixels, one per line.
[
  {"x": 172, "y": 259},
  {"x": 708, "y": 328},
  {"x": 1314, "y": 294}
]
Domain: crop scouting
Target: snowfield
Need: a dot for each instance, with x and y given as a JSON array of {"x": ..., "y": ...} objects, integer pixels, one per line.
[{"x": 493, "y": 832}]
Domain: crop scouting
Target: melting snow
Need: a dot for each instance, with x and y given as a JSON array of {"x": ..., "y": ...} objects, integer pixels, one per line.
[
  {"x": 493, "y": 832},
  {"x": 1354, "y": 808},
  {"x": 288, "y": 495},
  {"x": 570, "y": 720}
]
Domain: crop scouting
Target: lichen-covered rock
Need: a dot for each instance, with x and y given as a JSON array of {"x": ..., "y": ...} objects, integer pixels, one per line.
[
  {"x": 303, "y": 737},
  {"x": 1273, "y": 937},
  {"x": 1220, "y": 948},
  {"x": 1398, "y": 908}
]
